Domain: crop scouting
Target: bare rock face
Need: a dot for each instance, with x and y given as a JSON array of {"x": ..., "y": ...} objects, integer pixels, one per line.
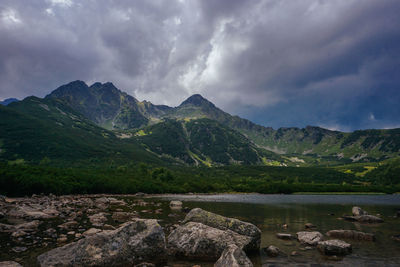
[
  {"x": 198, "y": 241},
  {"x": 351, "y": 234},
  {"x": 10, "y": 264},
  {"x": 133, "y": 243},
  {"x": 225, "y": 223},
  {"x": 309, "y": 238},
  {"x": 334, "y": 247},
  {"x": 234, "y": 257},
  {"x": 357, "y": 211}
]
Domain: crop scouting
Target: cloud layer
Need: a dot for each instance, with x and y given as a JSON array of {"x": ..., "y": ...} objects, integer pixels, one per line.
[{"x": 331, "y": 63}]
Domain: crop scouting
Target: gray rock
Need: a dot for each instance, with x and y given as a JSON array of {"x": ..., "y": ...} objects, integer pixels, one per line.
[
  {"x": 351, "y": 234},
  {"x": 234, "y": 257},
  {"x": 133, "y": 243},
  {"x": 198, "y": 241},
  {"x": 121, "y": 216},
  {"x": 309, "y": 238},
  {"x": 225, "y": 223},
  {"x": 19, "y": 249},
  {"x": 10, "y": 264},
  {"x": 334, "y": 247},
  {"x": 285, "y": 236},
  {"x": 176, "y": 204},
  {"x": 272, "y": 251},
  {"x": 91, "y": 231},
  {"x": 98, "y": 219},
  {"x": 28, "y": 212},
  {"x": 357, "y": 211}
]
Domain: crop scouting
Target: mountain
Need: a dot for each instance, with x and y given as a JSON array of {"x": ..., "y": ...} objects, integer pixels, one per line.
[
  {"x": 7, "y": 101},
  {"x": 107, "y": 106},
  {"x": 198, "y": 132},
  {"x": 41, "y": 130}
]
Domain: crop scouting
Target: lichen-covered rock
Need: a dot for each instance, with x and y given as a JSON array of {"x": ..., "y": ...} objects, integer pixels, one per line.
[
  {"x": 357, "y": 211},
  {"x": 233, "y": 256},
  {"x": 10, "y": 264},
  {"x": 309, "y": 238},
  {"x": 133, "y": 243},
  {"x": 334, "y": 247},
  {"x": 351, "y": 234},
  {"x": 225, "y": 223},
  {"x": 198, "y": 241}
]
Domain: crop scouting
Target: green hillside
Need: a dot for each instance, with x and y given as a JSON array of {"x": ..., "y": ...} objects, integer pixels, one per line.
[
  {"x": 44, "y": 130},
  {"x": 203, "y": 142}
]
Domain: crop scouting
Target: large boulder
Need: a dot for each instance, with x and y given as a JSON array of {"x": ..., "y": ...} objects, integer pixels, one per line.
[
  {"x": 234, "y": 257},
  {"x": 309, "y": 238},
  {"x": 225, "y": 223},
  {"x": 133, "y": 243},
  {"x": 351, "y": 234},
  {"x": 334, "y": 247},
  {"x": 357, "y": 211},
  {"x": 199, "y": 241}
]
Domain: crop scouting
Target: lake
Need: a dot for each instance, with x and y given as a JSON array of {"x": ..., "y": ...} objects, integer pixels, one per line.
[
  {"x": 271, "y": 212},
  {"x": 268, "y": 212}
]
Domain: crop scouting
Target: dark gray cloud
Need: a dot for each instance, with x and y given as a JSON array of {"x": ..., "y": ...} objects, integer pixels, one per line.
[{"x": 281, "y": 63}]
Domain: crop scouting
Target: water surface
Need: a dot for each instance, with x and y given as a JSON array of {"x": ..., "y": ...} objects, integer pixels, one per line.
[{"x": 271, "y": 212}]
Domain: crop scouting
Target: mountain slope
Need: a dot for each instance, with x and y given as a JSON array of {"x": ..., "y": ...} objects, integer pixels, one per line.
[
  {"x": 45, "y": 129},
  {"x": 203, "y": 142}
]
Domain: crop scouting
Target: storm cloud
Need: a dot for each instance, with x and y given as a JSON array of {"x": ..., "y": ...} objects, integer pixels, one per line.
[{"x": 334, "y": 64}]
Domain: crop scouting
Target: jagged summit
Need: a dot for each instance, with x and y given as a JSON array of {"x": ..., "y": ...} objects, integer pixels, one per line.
[{"x": 197, "y": 100}]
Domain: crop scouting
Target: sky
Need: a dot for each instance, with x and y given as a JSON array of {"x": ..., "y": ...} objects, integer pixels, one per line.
[{"x": 279, "y": 63}]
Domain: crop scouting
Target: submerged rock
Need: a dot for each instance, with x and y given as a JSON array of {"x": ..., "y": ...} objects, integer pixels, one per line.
[
  {"x": 309, "y": 226},
  {"x": 285, "y": 236},
  {"x": 334, "y": 247},
  {"x": 309, "y": 238},
  {"x": 272, "y": 251},
  {"x": 363, "y": 219},
  {"x": 225, "y": 223},
  {"x": 351, "y": 234},
  {"x": 133, "y": 243},
  {"x": 198, "y": 241},
  {"x": 233, "y": 256}
]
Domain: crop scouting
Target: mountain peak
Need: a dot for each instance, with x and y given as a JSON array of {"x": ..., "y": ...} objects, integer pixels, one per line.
[
  {"x": 7, "y": 101},
  {"x": 197, "y": 100}
]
